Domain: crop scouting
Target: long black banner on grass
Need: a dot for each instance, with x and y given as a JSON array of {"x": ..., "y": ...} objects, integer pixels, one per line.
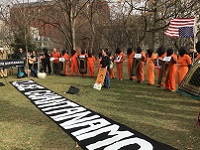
[{"x": 91, "y": 130}]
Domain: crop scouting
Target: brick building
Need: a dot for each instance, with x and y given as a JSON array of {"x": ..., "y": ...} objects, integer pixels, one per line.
[{"x": 38, "y": 15}]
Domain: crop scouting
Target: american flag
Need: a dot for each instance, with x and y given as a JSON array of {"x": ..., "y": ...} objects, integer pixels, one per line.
[{"x": 181, "y": 27}]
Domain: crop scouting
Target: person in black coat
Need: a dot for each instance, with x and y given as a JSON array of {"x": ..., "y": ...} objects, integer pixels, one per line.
[{"x": 105, "y": 63}]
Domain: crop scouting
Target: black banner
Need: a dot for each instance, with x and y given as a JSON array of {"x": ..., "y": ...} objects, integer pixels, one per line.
[
  {"x": 89, "y": 129},
  {"x": 11, "y": 63}
]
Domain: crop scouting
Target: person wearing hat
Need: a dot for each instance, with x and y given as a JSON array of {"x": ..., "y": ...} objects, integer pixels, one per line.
[{"x": 3, "y": 56}]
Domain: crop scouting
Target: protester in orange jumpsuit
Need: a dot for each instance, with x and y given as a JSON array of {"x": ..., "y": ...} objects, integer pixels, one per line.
[
  {"x": 140, "y": 68},
  {"x": 150, "y": 66},
  {"x": 184, "y": 62},
  {"x": 111, "y": 69},
  {"x": 56, "y": 55},
  {"x": 130, "y": 55},
  {"x": 170, "y": 83},
  {"x": 67, "y": 58},
  {"x": 74, "y": 63},
  {"x": 91, "y": 62},
  {"x": 83, "y": 55},
  {"x": 119, "y": 63},
  {"x": 161, "y": 54}
]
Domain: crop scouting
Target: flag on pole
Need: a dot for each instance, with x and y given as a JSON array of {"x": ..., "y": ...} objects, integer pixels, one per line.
[{"x": 181, "y": 28}]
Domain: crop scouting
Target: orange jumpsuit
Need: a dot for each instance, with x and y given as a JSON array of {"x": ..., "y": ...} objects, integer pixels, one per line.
[
  {"x": 170, "y": 83},
  {"x": 182, "y": 69},
  {"x": 66, "y": 56},
  {"x": 111, "y": 71},
  {"x": 119, "y": 66},
  {"x": 74, "y": 64},
  {"x": 91, "y": 62},
  {"x": 140, "y": 68},
  {"x": 55, "y": 55},
  {"x": 130, "y": 62},
  {"x": 150, "y": 69}
]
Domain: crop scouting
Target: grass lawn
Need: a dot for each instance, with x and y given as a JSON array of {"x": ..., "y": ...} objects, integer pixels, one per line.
[{"x": 162, "y": 115}]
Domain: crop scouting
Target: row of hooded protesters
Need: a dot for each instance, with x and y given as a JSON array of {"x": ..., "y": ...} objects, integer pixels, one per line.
[{"x": 171, "y": 68}]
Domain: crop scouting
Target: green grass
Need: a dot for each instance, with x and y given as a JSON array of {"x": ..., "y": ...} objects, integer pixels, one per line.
[{"x": 164, "y": 116}]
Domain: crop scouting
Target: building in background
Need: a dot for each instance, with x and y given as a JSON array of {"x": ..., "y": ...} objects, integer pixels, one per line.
[{"x": 38, "y": 17}]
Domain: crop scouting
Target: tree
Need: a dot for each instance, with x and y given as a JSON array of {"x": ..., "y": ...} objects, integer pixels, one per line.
[
  {"x": 158, "y": 13},
  {"x": 17, "y": 17},
  {"x": 65, "y": 14}
]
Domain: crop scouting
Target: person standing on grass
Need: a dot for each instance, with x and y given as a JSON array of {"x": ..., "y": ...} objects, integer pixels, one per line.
[
  {"x": 111, "y": 70},
  {"x": 22, "y": 56},
  {"x": 56, "y": 55},
  {"x": 91, "y": 62},
  {"x": 45, "y": 58},
  {"x": 150, "y": 66},
  {"x": 74, "y": 63},
  {"x": 65, "y": 55},
  {"x": 184, "y": 62},
  {"x": 160, "y": 55},
  {"x": 130, "y": 55},
  {"x": 32, "y": 62},
  {"x": 119, "y": 63},
  {"x": 170, "y": 83},
  {"x": 82, "y": 64},
  {"x": 140, "y": 68},
  {"x": 105, "y": 63}
]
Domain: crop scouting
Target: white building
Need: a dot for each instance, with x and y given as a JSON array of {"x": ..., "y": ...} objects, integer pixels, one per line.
[{"x": 40, "y": 41}]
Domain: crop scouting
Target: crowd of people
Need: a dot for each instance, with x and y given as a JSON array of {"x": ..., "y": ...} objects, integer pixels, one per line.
[
  {"x": 170, "y": 67},
  {"x": 139, "y": 62}
]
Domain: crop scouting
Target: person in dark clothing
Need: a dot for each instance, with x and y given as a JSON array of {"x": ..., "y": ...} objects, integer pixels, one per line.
[
  {"x": 105, "y": 63},
  {"x": 46, "y": 61},
  {"x": 22, "y": 56}
]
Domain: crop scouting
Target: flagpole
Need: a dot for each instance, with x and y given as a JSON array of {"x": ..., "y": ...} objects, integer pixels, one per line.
[
  {"x": 195, "y": 36},
  {"x": 195, "y": 33}
]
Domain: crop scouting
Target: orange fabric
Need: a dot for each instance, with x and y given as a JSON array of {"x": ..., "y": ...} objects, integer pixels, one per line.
[
  {"x": 159, "y": 69},
  {"x": 119, "y": 66},
  {"x": 170, "y": 82},
  {"x": 140, "y": 68},
  {"x": 91, "y": 62},
  {"x": 130, "y": 62},
  {"x": 111, "y": 71},
  {"x": 55, "y": 55},
  {"x": 182, "y": 69},
  {"x": 74, "y": 64},
  {"x": 150, "y": 69},
  {"x": 66, "y": 56}
]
